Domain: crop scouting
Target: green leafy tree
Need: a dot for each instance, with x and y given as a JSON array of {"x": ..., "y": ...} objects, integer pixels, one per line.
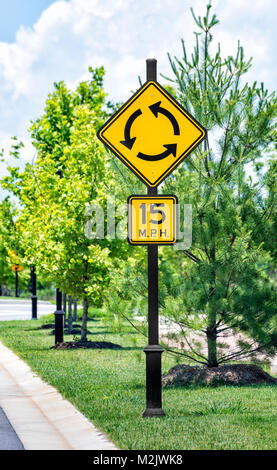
[
  {"x": 69, "y": 174},
  {"x": 223, "y": 282},
  {"x": 10, "y": 249},
  {"x": 6, "y": 230}
]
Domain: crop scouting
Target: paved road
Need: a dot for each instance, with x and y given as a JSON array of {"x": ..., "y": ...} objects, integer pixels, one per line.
[
  {"x": 8, "y": 437},
  {"x": 17, "y": 309}
]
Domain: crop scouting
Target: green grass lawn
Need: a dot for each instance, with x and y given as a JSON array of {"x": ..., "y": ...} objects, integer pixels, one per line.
[{"x": 108, "y": 386}]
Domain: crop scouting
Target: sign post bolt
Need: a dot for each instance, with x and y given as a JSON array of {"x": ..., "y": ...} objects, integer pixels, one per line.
[{"x": 153, "y": 350}]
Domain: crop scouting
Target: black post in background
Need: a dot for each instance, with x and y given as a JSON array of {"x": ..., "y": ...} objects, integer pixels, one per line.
[
  {"x": 59, "y": 318},
  {"x": 153, "y": 350},
  {"x": 34, "y": 292},
  {"x": 59, "y": 313},
  {"x": 75, "y": 310},
  {"x": 16, "y": 284},
  {"x": 64, "y": 306}
]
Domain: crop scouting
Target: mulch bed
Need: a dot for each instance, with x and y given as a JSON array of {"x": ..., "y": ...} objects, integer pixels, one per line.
[
  {"x": 231, "y": 374},
  {"x": 87, "y": 345}
]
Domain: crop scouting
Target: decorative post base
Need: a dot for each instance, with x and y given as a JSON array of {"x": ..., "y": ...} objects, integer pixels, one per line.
[
  {"x": 153, "y": 381},
  {"x": 153, "y": 412}
]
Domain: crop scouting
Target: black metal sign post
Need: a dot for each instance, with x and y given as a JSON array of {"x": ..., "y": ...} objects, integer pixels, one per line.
[
  {"x": 120, "y": 137},
  {"x": 153, "y": 350},
  {"x": 34, "y": 292},
  {"x": 59, "y": 318}
]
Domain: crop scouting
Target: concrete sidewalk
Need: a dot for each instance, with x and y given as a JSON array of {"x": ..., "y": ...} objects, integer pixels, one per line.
[{"x": 37, "y": 416}]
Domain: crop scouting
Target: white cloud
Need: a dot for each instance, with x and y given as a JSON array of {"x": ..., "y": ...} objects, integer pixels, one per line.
[{"x": 119, "y": 34}]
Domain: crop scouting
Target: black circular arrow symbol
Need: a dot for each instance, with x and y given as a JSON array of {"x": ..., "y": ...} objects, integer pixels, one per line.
[
  {"x": 171, "y": 149},
  {"x": 156, "y": 109},
  {"x": 128, "y": 142}
]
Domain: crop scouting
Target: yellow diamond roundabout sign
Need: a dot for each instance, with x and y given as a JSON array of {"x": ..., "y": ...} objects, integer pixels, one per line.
[{"x": 152, "y": 133}]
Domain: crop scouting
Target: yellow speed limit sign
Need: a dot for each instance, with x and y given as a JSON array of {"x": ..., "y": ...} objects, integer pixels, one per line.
[
  {"x": 152, "y": 220},
  {"x": 16, "y": 268}
]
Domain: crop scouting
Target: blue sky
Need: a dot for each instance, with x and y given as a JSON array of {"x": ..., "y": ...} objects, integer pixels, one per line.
[
  {"x": 15, "y": 13},
  {"x": 43, "y": 41}
]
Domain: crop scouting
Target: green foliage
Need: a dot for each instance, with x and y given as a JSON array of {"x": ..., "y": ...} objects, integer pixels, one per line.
[
  {"x": 10, "y": 247},
  {"x": 53, "y": 131},
  {"x": 225, "y": 281},
  {"x": 69, "y": 174},
  {"x": 228, "y": 284},
  {"x": 223, "y": 408}
]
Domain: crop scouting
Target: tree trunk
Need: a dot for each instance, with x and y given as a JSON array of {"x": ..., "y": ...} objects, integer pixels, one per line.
[
  {"x": 85, "y": 320},
  {"x": 69, "y": 318},
  {"x": 211, "y": 333},
  {"x": 74, "y": 310}
]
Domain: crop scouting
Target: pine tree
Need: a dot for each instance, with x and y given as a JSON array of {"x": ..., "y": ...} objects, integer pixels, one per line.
[
  {"x": 229, "y": 285},
  {"x": 224, "y": 281}
]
